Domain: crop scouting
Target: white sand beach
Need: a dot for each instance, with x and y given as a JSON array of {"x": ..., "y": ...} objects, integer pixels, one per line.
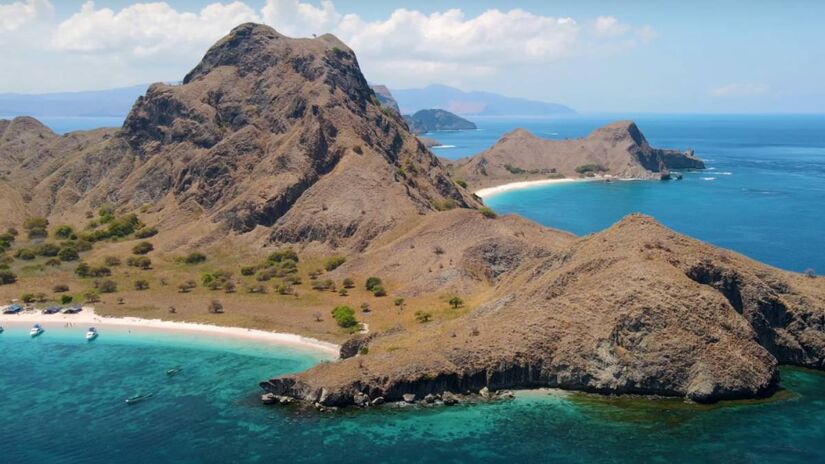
[
  {"x": 87, "y": 317},
  {"x": 490, "y": 191}
]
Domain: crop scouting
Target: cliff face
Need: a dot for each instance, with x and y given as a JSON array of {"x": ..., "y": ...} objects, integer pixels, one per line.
[
  {"x": 266, "y": 131},
  {"x": 437, "y": 120},
  {"x": 634, "y": 309},
  {"x": 618, "y": 149},
  {"x": 385, "y": 97}
]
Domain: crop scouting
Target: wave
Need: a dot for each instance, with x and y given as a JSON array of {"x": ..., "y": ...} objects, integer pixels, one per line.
[
  {"x": 708, "y": 178},
  {"x": 710, "y": 169},
  {"x": 445, "y": 146},
  {"x": 725, "y": 173}
]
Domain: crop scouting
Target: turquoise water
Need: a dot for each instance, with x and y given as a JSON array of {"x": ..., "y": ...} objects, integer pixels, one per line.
[
  {"x": 62, "y": 398},
  {"x": 762, "y": 194},
  {"x": 63, "y": 403}
]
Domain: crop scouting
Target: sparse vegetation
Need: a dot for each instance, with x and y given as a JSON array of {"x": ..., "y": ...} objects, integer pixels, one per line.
[
  {"x": 60, "y": 288},
  {"x": 25, "y": 254},
  {"x": 514, "y": 169},
  {"x": 65, "y": 232},
  {"x": 488, "y": 213},
  {"x": 444, "y": 205},
  {"x": 589, "y": 170},
  {"x": 348, "y": 283},
  {"x": 141, "y": 284},
  {"x": 68, "y": 253},
  {"x": 36, "y": 227},
  {"x": 379, "y": 290},
  {"x": 195, "y": 257},
  {"x": 215, "y": 307},
  {"x": 111, "y": 261},
  {"x": 399, "y": 302},
  {"x": 461, "y": 183},
  {"x": 82, "y": 269},
  {"x": 47, "y": 249},
  {"x": 333, "y": 262},
  {"x": 372, "y": 282},
  {"x": 142, "y": 248},
  {"x": 456, "y": 302},
  {"x": 66, "y": 299},
  {"x": 423, "y": 316},
  {"x": 344, "y": 316},
  {"x": 91, "y": 297},
  {"x": 107, "y": 286},
  {"x": 140, "y": 262},
  {"x": 146, "y": 232}
]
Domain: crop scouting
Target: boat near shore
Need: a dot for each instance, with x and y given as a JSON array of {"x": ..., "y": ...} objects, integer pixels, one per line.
[{"x": 36, "y": 330}]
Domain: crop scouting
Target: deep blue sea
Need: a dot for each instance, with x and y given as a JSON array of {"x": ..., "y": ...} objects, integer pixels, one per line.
[
  {"x": 763, "y": 193},
  {"x": 62, "y": 399}
]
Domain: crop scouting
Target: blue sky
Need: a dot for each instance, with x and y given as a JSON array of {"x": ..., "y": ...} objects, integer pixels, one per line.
[{"x": 596, "y": 56}]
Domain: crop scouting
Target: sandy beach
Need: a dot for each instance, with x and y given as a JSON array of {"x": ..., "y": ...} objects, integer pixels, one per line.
[
  {"x": 87, "y": 317},
  {"x": 490, "y": 191}
]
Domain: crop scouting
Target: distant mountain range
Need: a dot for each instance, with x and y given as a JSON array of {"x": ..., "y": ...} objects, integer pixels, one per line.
[
  {"x": 111, "y": 102},
  {"x": 118, "y": 102},
  {"x": 473, "y": 103}
]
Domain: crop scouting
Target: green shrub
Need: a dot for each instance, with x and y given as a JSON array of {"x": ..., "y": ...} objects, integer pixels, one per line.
[
  {"x": 333, "y": 262},
  {"x": 283, "y": 254},
  {"x": 215, "y": 280},
  {"x": 100, "y": 271},
  {"x": 348, "y": 283},
  {"x": 193, "y": 258},
  {"x": 141, "y": 262},
  {"x": 82, "y": 269},
  {"x": 27, "y": 298},
  {"x": 60, "y": 288},
  {"x": 112, "y": 261},
  {"x": 461, "y": 183},
  {"x": 514, "y": 169},
  {"x": 344, "y": 316},
  {"x": 488, "y": 213},
  {"x": 142, "y": 248},
  {"x": 444, "y": 205},
  {"x": 455, "y": 302},
  {"x": 146, "y": 232},
  {"x": 64, "y": 232},
  {"x": 590, "y": 169},
  {"x": 248, "y": 270},
  {"x": 7, "y": 277},
  {"x": 48, "y": 249},
  {"x": 141, "y": 284},
  {"x": 66, "y": 299},
  {"x": 378, "y": 290},
  {"x": 107, "y": 286},
  {"x": 25, "y": 254},
  {"x": 372, "y": 282},
  {"x": 38, "y": 232}
]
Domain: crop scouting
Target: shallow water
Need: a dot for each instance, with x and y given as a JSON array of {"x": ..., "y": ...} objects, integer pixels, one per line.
[{"x": 64, "y": 403}]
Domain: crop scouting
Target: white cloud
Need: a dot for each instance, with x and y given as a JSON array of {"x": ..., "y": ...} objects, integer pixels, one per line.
[
  {"x": 745, "y": 89},
  {"x": 15, "y": 15},
  {"x": 609, "y": 26},
  {"x": 147, "y": 28},
  {"x": 407, "y": 47}
]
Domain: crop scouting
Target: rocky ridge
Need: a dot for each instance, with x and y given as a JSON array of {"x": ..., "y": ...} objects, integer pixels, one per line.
[{"x": 618, "y": 149}]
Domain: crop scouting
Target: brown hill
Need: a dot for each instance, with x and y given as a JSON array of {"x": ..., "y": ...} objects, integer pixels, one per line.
[
  {"x": 634, "y": 309},
  {"x": 266, "y": 131},
  {"x": 618, "y": 149}
]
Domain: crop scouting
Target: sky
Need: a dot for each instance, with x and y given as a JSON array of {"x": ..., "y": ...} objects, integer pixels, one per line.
[{"x": 759, "y": 56}]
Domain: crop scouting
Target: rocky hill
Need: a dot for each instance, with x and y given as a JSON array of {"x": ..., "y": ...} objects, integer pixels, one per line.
[
  {"x": 618, "y": 149},
  {"x": 385, "y": 97},
  {"x": 634, "y": 309},
  {"x": 437, "y": 120},
  {"x": 266, "y": 131}
]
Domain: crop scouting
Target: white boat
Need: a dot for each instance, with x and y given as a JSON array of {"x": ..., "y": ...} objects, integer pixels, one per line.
[
  {"x": 36, "y": 330},
  {"x": 91, "y": 334}
]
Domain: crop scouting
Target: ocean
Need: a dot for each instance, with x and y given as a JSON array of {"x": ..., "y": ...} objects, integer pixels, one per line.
[{"x": 63, "y": 398}]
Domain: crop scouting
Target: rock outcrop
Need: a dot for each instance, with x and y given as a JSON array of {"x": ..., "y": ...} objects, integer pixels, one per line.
[
  {"x": 618, "y": 149},
  {"x": 385, "y": 97},
  {"x": 266, "y": 131},
  {"x": 437, "y": 120},
  {"x": 634, "y": 309}
]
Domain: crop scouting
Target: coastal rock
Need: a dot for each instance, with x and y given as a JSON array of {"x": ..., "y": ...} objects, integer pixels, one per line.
[
  {"x": 430, "y": 398},
  {"x": 377, "y": 401},
  {"x": 635, "y": 309},
  {"x": 269, "y": 398},
  {"x": 360, "y": 399},
  {"x": 408, "y": 397},
  {"x": 450, "y": 398},
  {"x": 485, "y": 393},
  {"x": 618, "y": 149}
]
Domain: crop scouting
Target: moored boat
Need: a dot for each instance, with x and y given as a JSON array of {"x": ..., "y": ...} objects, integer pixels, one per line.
[
  {"x": 36, "y": 330},
  {"x": 1, "y": 329},
  {"x": 91, "y": 334},
  {"x": 138, "y": 398}
]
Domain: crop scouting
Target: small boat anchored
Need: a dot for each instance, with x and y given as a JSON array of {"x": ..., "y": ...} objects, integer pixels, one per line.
[
  {"x": 36, "y": 330},
  {"x": 174, "y": 371},
  {"x": 138, "y": 398},
  {"x": 91, "y": 334}
]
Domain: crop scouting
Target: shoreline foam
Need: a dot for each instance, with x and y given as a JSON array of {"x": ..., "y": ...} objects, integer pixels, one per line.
[{"x": 90, "y": 318}]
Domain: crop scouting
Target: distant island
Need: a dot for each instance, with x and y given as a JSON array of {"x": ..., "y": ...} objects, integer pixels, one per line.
[
  {"x": 272, "y": 189},
  {"x": 437, "y": 120},
  {"x": 617, "y": 150},
  {"x": 474, "y": 103}
]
